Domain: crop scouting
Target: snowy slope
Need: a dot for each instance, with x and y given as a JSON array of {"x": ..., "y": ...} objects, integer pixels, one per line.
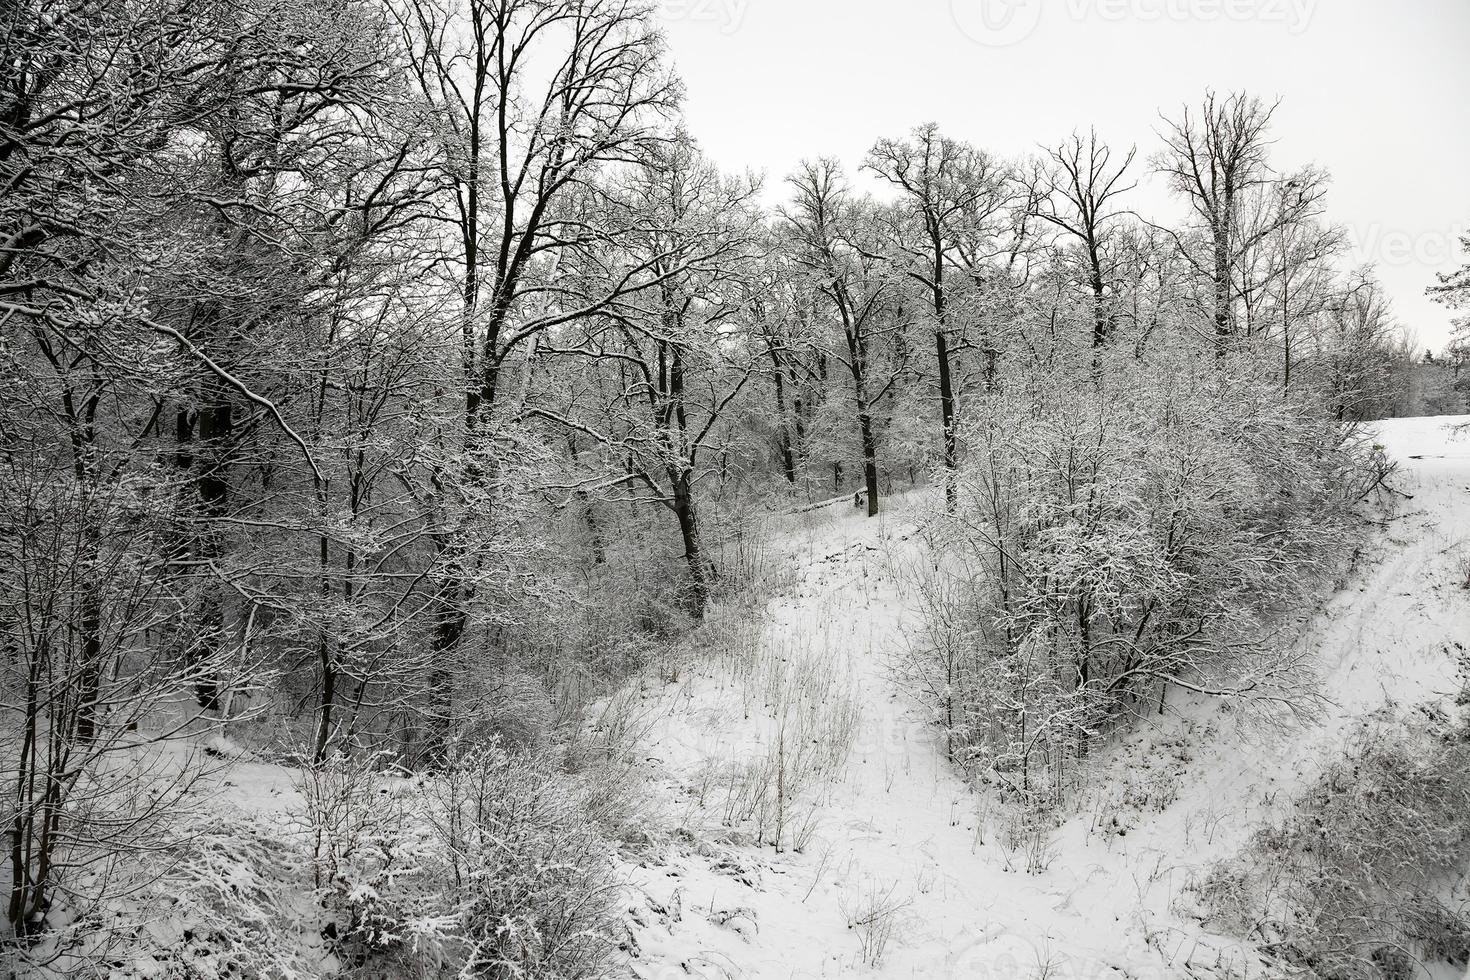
[{"x": 903, "y": 872}]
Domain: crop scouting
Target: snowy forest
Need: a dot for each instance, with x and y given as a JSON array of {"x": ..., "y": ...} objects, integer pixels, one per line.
[{"x": 450, "y": 527}]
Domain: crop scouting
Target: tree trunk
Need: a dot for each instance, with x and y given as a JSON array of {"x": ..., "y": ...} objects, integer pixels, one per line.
[
  {"x": 870, "y": 459},
  {"x": 946, "y": 381},
  {"x": 326, "y": 662},
  {"x": 216, "y": 429},
  {"x": 857, "y": 364},
  {"x": 798, "y": 407},
  {"x": 684, "y": 510},
  {"x": 783, "y": 432},
  {"x": 89, "y": 683},
  {"x": 1099, "y": 311},
  {"x": 450, "y": 623},
  {"x": 594, "y": 528},
  {"x": 947, "y": 417},
  {"x": 1223, "y": 326}
]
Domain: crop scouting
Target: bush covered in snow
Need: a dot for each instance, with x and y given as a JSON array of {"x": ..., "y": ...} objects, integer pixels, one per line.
[
  {"x": 525, "y": 869},
  {"x": 1358, "y": 881},
  {"x": 494, "y": 867},
  {"x": 1118, "y": 535}
]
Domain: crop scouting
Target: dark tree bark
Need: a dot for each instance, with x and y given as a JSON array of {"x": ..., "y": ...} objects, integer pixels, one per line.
[
  {"x": 783, "y": 432},
  {"x": 947, "y": 413},
  {"x": 684, "y": 510}
]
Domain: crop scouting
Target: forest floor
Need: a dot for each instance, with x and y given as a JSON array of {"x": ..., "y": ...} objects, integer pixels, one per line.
[{"x": 902, "y": 870}]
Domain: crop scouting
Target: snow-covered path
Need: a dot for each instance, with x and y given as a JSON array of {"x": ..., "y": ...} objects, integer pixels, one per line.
[{"x": 897, "y": 830}]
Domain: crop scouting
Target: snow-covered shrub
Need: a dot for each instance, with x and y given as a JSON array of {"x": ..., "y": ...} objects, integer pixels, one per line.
[
  {"x": 874, "y": 913},
  {"x": 1118, "y": 534},
  {"x": 746, "y": 568},
  {"x": 605, "y": 757},
  {"x": 525, "y": 869},
  {"x": 225, "y": 904},
  {"x": 1026, "y": 834},
  {"x": 369, "y": 858},
  {"x": 621, "y": 613},
  {"x": 1359, "y": 876},
  {"x": 101, "y": 682},
  {"x": 943, "y": 650},
  {"x": 494, "y": 866}
]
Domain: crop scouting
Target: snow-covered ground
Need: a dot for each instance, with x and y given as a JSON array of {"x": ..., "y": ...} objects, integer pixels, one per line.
[
  {"x": 901, "y": 870},
  {"x": 890, "y": 866}
]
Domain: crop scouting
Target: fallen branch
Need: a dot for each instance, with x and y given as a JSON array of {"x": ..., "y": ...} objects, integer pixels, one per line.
[
  {"x": 808, "y": 508},
  {"x": 1381, "y": 481}
]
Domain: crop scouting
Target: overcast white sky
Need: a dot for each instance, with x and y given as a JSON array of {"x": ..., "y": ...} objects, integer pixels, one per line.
[{"x": 1376, "y": 91}]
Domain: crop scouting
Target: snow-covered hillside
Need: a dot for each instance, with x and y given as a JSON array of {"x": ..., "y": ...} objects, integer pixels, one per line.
[{"x": 902, "y": 871}]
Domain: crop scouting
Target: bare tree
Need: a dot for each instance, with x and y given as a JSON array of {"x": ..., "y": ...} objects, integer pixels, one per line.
[
  {"x": 679, "y": 347},
  {"x": 1454, "y": 291},
  {"x": 1077, "y": 194},
  {"x": 773, "y": 298},
  {"x": 531, "y": 100},
  {"x": 1286, "y": 280},
  {"x": 1216, "y": 160}
]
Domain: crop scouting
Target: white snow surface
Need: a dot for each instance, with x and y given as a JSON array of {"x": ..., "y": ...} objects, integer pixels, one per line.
[{"x": 896, "y": 822}]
